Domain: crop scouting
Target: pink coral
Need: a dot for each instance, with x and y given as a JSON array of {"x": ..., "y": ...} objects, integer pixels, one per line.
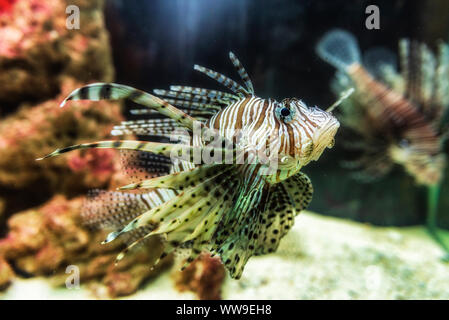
[
  {"x": 6, "y": 6},
  {"x": 33, "y": 132},
  {"x": 45, "y": 240},
  {"x": 99, "y": 163},
  {"x": 37, "y": 50},
  {"x": 204, "y": 276},
  {"x": 29, "y": 17}
]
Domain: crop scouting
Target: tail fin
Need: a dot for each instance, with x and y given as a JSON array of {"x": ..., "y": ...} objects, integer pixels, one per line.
[{"x": 339, "y": 48}]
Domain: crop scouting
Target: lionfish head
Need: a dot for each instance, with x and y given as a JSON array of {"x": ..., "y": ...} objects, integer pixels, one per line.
[{"x": 311, "y": 131}]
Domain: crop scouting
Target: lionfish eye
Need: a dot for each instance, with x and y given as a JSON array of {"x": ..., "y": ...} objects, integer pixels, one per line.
[{"x": 284, "y": 113}]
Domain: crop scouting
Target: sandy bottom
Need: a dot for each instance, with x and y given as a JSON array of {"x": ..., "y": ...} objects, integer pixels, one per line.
[{"x": 321, "y": 258}]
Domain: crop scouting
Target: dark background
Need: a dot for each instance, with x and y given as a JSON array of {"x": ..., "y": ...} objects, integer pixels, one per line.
[{"x": 155, "y": 44}]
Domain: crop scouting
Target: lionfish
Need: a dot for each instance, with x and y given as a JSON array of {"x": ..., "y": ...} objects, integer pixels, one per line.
[
  {"x": 397, "y": 117},
  {"x": 235, "y": 207}
]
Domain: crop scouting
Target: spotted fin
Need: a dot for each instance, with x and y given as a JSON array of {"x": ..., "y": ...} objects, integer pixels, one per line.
[
  {"x": 236, "y": 237},
  {"x": 204, "y": 215},
  {"x": 193, "y": 215},
  {"x": 286, "y": 200},
  {"x": 300, "y": 190},
  {"x": 109, "y": 209},
  {"x": 169, "y": 216},
  {"x": 240, "y": 242},
  {"x": 276, "y": 220},
  {"x": 263, "y": 224},
  {"x": 140, "y": 165}
]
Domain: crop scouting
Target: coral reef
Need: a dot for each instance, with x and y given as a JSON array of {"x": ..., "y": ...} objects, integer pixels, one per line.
[
  {"x": 37, "y": 49},
  {"x": 41, "y": 62},
  {"x": 41, "y": 59},
  {"x": 204, "y": 276},
  {"x": 321, "y": 258},
  {"x": 44, "y": 241},
  {"x": 34, "y": 131}
]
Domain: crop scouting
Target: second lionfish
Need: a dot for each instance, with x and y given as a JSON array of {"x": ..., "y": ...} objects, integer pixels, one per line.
[
  {"x": 398, "y": 117},
  {"x": 234, "y": 209}
]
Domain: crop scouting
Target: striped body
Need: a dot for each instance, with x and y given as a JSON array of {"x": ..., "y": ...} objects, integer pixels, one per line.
[
  {"x": 394, "y": 117},
  {"x": 240, "y": 196},
  {"x": 397, "y": 111},
  {"x": 253, "y": 122},
  {"x": 398, "y": 116}
]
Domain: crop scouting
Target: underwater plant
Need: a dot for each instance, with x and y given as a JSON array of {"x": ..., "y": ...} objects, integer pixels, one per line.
[
  {"x": 396, "y": 117},
  {"x": 235, "y": 208}
]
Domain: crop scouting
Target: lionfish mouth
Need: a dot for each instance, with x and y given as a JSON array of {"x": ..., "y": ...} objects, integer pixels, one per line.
[
  {"x": 326, "y": 137},
  {"x": 330, "y": 129}
]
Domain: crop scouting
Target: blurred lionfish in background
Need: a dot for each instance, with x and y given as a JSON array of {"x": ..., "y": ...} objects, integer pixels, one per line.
[
  {"x": 233, "y": 210},
  {"x": 396, "y": 117}
]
